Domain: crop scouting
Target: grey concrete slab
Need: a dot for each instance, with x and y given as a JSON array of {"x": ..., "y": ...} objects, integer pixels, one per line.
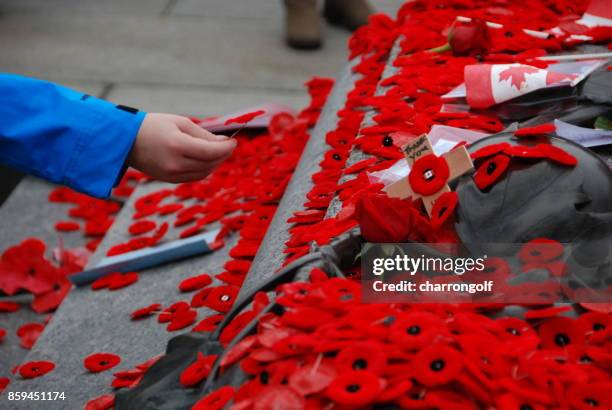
[
  {"x": 201, "y": 101},
  {"x": 264, "y": 9},
  {"x": 88, "y": 322},
  {"x": 46, "y": 7},
  {"x": 27, "y": 213},
  {"x": 261, "y": 9},
  {"x": 168, "y": 50}
]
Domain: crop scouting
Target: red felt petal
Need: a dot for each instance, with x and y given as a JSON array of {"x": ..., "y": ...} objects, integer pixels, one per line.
[
  {"x": 32, "y": 370},
  {"x": 145, "y": 311},
  {"x": 99, "y": 362},
  {"x": 67, "y": 226},
  {"x": 195, "y": 283},
  {"x": 536, "y": 130},
  {"x": 29, "y": 334},
  {"x": 244, "y": 118},
  {"x": 104, "y": 402}
]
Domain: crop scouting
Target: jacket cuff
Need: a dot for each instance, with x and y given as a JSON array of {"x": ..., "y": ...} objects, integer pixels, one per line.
[{"x": 99, "y": 157}]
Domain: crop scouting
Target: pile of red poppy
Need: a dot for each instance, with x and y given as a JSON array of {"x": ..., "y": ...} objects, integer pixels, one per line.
[{"x": 327, "y": 349}]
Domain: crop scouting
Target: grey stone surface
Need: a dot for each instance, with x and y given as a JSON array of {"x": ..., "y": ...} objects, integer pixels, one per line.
[
  {"x": 264, "y": 9},
  {"x": 271, "y": 256},
  {"x": 202, "y": 101},
  {"x": 88, "y": 322},
  {"x": 27, "y": 213},
  {"x": 128, "y": 48},
  {"x": 83, "y": 6}
]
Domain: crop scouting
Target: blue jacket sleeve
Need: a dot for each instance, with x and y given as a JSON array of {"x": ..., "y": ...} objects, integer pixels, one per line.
[{"x": 64, "y": 136}]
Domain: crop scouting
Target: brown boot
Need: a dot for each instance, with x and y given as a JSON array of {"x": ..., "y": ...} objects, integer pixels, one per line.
[
  {"x": 303, "y": 26},
  {"x": 351, "y": 14}
]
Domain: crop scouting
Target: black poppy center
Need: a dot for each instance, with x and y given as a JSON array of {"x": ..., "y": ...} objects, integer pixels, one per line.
[
  {"x": 513, "y": 331},
  {"x": 510, "y": 34},
  {"x": 598, "y": 326},
  {"x": 360, "y": 364},
  {"x": 491, "y": 168},
  {"x": 437, "y": 365},
  {"x": 103, "y": 362},
  {"x": 442, "y": 211},
  {"x": 264, "y": 377},
  {"x": 387, "y": 141},
  {"x": 561, "y": 339},
  {"x": 337, "y": 157},
  {"x": 586, "y": 359},
  {"x": 353, "y": 388},
  {"x": 526, "y": 407},
  {"x": 428, "y": 174},
  {"x": 413, "y": 330},
  {"x": 591, "y": 402}
]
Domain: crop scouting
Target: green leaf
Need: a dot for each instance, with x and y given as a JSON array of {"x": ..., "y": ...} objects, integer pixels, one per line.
[{"x": 603, "y": 123}]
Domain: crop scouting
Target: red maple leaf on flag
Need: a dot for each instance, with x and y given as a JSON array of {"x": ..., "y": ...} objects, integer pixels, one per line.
[{"x": 517, "y": 74}]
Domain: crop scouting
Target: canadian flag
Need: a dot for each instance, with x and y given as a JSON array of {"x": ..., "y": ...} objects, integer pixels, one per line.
[
  {"x": 599, "y": 13},
  {"x": 490, "y": 84}
]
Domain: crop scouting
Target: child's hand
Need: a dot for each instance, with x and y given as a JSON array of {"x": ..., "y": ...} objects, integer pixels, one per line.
[{"x": 173, "y": 149}]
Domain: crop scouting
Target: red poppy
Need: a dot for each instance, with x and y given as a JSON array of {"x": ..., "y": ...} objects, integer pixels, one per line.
[
  {"x": 142, "y": 226},
  {"x": 383, "y": 219},
  {"x": 490, "y": 150},
  {"x": 32, "y": 370},
  {"x": 215, "y": 400},
  {"x": 365, "y": 355},
  {"x": 209, "y": 324},
  {"x": 437, "y": 364},
  {"x": 197, "y": 371},
  {"x": 4, "y": 382},
  {"x": 67, "y": 226},
  {"x": 279, "y": 123},
  {"x": 29, "y": 333},
  {"x": 195, "y": 283},
  {"x": 244, "y": 118},
  {"x": 561, "y": 332},
  {"x": 145, "y": 311},
  {"x": 104, "y": 402},
  {"x": 491, "y": 170},
  {"x": 540, "y": 250},
  {"x": 182, "y": 319},
  {"x": 512, "y": 402},
  {"x": 2, "y": 335},
  {"x": 415, "y": 330},
  {"x": 280, "y": 397},
  {"x": 168, "y": 209},
  {"x": 443, "y": 208},
  {"x": 588, "y": 396},
  {"x": 470, "y": 38},
  {"x": 542, "y": 129},
  {"x": 123, "y": 280},
  {"x": 312, "y": 378},
  {"x": 557, "y": 154},
  {"x": 219, "y": 298},
  {"x": 358, "y": 388},
  {"x": 168, "y": 313},
  {"x": 428, "y": 175},
  {"x": 50, "y": 300},
  {"x": 99, "y": 362},
  {"x": 596, "y": 321},
  {"x": 9, "y": 307}
]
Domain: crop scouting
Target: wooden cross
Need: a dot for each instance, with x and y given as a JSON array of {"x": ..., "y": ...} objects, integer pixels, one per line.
[{"x": 458, "y": 161}]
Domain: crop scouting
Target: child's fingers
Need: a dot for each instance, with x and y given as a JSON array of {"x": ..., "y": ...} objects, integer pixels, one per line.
[
  {"x": 204, "y": 150},
  {"x": 198, "y": 132}
]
